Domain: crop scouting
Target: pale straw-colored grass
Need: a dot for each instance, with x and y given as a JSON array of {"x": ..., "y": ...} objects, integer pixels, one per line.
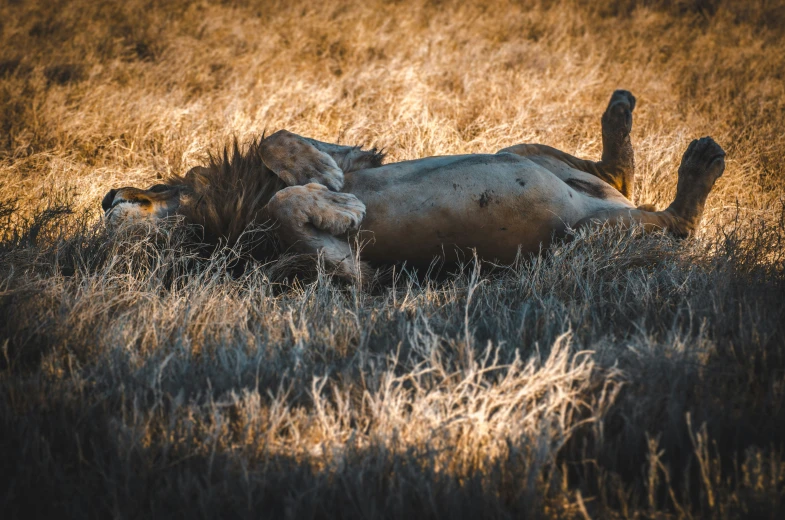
[{"x": 616, "y": 375}]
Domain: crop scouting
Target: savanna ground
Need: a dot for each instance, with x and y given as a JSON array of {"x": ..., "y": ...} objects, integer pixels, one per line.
[{"x": 615, "y": 376}]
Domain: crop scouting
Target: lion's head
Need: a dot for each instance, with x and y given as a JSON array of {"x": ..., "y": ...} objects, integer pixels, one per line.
[
  {"x": 135, "y": 205},
  {"x": 221, "y": 200}
]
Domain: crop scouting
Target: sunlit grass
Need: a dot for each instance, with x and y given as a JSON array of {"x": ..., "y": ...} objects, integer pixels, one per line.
[{"x": 616, "y": 375}]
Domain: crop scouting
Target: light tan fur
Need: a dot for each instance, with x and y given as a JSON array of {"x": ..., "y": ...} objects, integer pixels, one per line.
[{"x": 519, "y": 199}]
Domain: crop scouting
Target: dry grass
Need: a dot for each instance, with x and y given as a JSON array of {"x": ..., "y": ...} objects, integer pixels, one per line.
[{"x": 615, "y": 376}]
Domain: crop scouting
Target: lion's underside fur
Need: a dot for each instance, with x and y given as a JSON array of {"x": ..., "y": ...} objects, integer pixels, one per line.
[{"x": 315, "y": 196}]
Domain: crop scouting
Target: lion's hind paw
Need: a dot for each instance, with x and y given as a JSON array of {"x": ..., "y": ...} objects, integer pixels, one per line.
[
  {"x": 703, "y": 157},
  {"x": 618, "y": 115}
]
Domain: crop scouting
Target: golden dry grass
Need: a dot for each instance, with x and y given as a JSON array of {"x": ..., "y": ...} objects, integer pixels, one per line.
[{"x": 616, "y": 376}]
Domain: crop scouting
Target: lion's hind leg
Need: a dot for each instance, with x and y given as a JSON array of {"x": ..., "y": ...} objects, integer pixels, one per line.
[
  {"x": 702, "y": 164},
  {"x": 618, "y": 158},
  {"x": 315, "y": 220},
  {"x": 617, "y": 166}
]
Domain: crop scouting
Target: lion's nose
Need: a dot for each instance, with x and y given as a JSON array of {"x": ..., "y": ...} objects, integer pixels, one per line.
[{"x": 108, "y": 199}]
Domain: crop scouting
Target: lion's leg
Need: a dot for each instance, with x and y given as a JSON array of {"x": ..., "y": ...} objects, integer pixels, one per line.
[
  {"x": 314, "y": 220},
  {"x": 349, "y": 158},
  {"x": 298, "y": 160},
  {"x": 702, "y": 164},
  {"x": 617, "y": 166},
  {"x": 618, "y": 158}
]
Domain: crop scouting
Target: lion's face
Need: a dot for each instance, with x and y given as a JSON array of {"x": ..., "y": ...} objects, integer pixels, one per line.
[{"x": 135, "y": 205}]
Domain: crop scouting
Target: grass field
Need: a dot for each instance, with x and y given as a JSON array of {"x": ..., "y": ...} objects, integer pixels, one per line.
[{"x": 615, "y": 376}]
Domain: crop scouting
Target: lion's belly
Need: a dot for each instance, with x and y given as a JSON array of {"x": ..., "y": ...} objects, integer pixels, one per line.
[{"x": 492, "y": 203}]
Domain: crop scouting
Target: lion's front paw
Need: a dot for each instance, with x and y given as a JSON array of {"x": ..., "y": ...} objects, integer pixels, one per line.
[
  {"x": 328, "y": 211},
  {"x": 336, "y": 213},
  {"x": 297, "y": 162},
  {"x": 323, "y": 170}
]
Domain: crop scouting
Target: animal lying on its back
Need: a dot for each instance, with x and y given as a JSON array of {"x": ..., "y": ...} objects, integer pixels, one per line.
[{"x": 321, "y": 195}]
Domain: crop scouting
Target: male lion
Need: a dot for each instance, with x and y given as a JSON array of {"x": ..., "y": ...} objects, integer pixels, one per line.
[{"x": 522, "y": 197}]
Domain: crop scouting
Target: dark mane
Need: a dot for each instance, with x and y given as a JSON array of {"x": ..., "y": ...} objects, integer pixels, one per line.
[{"x": 225, "y": 197}]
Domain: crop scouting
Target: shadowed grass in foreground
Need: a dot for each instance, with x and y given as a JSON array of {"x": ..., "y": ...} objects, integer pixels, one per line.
[
  {"x": 595, "y": 378},
  {"x": 614, "y": 376}
]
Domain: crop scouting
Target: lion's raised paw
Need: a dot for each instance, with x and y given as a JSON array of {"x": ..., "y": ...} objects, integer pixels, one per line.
[{"x": 297, "y": 162}]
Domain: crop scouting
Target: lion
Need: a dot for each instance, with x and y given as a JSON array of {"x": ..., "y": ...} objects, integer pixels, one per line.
[{"x": 344, "y": 203}]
